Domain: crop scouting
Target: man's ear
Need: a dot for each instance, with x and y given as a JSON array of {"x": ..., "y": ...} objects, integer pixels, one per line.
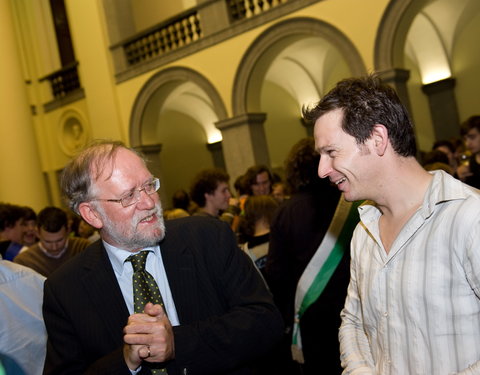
[
  {"x": 207, "y": 197},
  {"x": 380, "y": 139},
  {"x": 90, "y": 215}
]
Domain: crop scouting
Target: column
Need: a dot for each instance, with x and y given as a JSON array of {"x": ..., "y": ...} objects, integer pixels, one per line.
[
  {"x": 152, "y": 156},
  {"x": 398, "y": 78},
  {"x": 216, "y": 150},
  {"x": 244, "y": 142},
  {"x": 443, "y": 108},
  {"x": 22, "y": 179}
]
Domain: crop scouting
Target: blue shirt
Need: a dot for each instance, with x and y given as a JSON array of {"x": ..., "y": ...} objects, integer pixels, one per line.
[
  {"x": 22, "y": 331},
  {"x": 12, "y": 250}
]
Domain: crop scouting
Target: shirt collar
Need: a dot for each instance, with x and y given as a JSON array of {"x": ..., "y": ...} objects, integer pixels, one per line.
[
  {"x": 118, "y": 256},
  {"x": 59, "y": 255},
  {"x": 442, "y": 188}
]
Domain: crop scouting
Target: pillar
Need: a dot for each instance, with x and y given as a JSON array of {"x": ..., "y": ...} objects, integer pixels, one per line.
[
  {"x": 244, "y": 142},
  {"x": 216, "y": 150},
  {"x": 152, "y": 155},
  {"x": 443, "y": 108},
  {"x": 22, "y": 178}
]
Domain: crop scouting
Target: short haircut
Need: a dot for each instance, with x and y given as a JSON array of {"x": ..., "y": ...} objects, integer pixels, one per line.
[
  {"x": 473, "y": 122},
  {"x": 86, "y": 168},
  {"x": 366, "y": 102},
  {"x": 52, "y": 219},
  {"x": 9, "y": 215},
  {"x": 206, "y": 182}
]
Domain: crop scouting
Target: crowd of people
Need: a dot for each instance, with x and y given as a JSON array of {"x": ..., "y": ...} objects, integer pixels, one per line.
[{"x": 361, "y": 257}]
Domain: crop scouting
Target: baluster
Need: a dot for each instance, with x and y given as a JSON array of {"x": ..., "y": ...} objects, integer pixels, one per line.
[
  {"x": 250, "y": 7},
  {"x": 260, "y": 6},
  {"x": 198, "y": 29},
  {"x": 190, "y": 27}
]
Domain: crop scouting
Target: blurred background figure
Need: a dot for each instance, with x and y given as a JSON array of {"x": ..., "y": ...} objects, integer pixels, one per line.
[
  {"x": 448, "y": 147},
  {"x": 259, "y": 211},
  {"x": 469, "y": 169},
  {"x": 258, "y": 180},
  {"x": 88, "y": 232},
  {"x": 182, "y": 206},
  {"x": 11, "y": 230},
  {"x": 280, "y": 191},
  {"x": 23, "y": 337},
  {"x": 437, "y": 159},
  {"x": 211, "y": 193},
  {"x": 55, "y": 245},
  {"x": 30, "y": 227},
  {"x": 297, "y": 230}
]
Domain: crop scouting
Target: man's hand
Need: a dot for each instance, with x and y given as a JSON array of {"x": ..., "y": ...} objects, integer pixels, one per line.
[{"x": 148, "y": 337}]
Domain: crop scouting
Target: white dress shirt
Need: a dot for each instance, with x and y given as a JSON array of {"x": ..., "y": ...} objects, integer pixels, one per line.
[{"x": 416, "y": 310}]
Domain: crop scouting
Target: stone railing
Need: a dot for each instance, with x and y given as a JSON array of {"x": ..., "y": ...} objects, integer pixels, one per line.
[
  {"x": 63, "y": 81},
  {"x": 241, "y": 9},
  {"x": 64, "y": 85},
  {"x": 168, "y": 36},
  {"x": 208, "y": 23}
]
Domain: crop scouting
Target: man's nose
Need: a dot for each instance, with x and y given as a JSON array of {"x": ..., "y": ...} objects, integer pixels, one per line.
[
  {"x": 146, "y": 201},
  {"x": 324, "y": 167}
]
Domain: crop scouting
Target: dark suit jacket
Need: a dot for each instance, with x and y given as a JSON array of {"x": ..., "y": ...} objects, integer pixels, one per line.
[
  {"x": 296, "y": 232},
  {"x": 227, "y": 317}
]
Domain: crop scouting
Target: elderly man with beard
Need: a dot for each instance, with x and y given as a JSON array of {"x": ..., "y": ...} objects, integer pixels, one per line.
[{"x": 216, "y": 316}]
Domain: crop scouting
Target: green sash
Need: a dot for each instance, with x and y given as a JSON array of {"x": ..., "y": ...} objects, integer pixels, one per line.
[{"x": 321, "y": 267}]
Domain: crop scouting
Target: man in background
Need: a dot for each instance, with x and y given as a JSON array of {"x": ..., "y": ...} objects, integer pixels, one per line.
[
  {"x": 258, "y": 180},
  {"x": 55, "y": 246},
  {"x": 11, "y": 230},
  {"x": 210, "y": 192}
]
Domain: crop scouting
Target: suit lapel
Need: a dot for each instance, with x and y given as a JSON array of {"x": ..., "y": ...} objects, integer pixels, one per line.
[
  {"x": 181, "y": 273},
  {"x": 104, "y": 292}
]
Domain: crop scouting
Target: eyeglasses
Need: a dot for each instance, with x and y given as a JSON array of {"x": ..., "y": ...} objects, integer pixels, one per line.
[{"x": 134, "y": 195}]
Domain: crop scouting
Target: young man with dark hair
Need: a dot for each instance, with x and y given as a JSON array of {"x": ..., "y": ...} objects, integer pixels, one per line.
[
  {"x": 210, "y": 191},
  {"x": 413, "y": 301},
  {"x": 11, "y": 230},
  {"x": 55, "y": 246}
]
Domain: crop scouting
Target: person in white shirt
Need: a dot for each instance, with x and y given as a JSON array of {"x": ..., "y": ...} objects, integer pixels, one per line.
[
  {"x": 23, "y": 337},
  {"x": 413, "y": 303}
]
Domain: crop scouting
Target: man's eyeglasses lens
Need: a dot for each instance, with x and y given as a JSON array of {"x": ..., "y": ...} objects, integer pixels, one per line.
[{"x": 134, "y": 196}]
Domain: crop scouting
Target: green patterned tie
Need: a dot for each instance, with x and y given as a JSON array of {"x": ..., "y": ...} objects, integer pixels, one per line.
[{"x": 145, "y": 289}]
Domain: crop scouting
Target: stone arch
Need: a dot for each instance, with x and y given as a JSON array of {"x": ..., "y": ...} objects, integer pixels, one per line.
[
  {"x": 265, "y": 48},
  {"x": 156, "y": 91},
  {"x": 392, "y": 33}
]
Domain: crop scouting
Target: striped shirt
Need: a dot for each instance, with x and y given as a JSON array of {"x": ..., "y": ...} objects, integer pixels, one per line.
[{"x": 416, "y": 310}]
